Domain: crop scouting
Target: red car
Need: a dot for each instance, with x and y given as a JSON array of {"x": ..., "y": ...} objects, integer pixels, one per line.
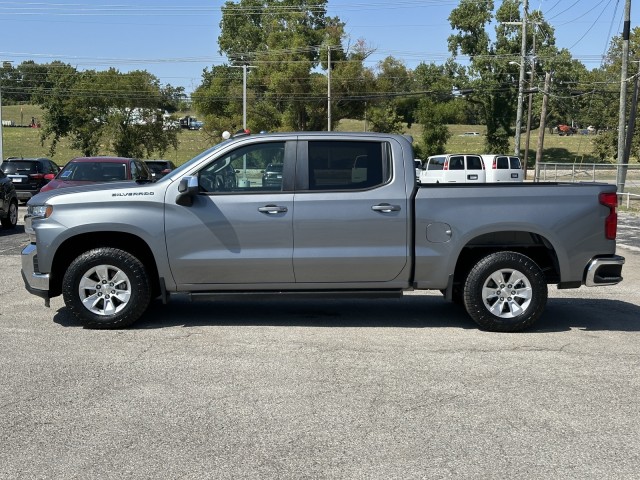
[{"x": 86, "y": 170}]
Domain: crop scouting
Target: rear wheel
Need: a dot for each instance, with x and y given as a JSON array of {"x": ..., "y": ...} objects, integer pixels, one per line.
[
  {"x": 106, "y": 288},
  {"x": 505, "y": 292},
  {"x": 11, "y": 220}
]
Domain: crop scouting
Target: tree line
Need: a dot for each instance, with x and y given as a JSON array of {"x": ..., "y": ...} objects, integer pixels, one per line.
[{"x": 290, "y": 49}]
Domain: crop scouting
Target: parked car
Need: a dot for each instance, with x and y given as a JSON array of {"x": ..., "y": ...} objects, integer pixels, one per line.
[
  {"x": 470, "y": 134},
  {"x": 457, "y": 168},
  {"x": 86, "y": 170},
  {"x": 503, "y": 168},
  {"x": 29, "y": 175},
  {"x": 272, "y": 175},
  {"x": 8, "y": 202},
  {"x": 159, "y": 168}
]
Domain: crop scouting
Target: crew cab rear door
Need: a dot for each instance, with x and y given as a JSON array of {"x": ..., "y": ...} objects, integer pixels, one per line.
[{"x": 351, "y": 212}]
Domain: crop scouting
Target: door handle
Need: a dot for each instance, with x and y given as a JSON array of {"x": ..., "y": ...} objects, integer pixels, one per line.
[
  {"x": 385, "y": 208},
  {"x": 272, "y": 209}
]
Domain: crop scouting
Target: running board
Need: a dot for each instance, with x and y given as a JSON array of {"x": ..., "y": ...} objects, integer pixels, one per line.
[{"x": 322, "y": 294}]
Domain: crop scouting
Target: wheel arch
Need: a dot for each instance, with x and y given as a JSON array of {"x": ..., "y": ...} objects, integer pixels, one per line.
[
  {"x": 72, "y": 247},
  {"x": 531, "y": 244}
]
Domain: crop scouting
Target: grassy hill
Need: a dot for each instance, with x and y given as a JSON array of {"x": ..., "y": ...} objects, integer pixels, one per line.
[{"x": 25, "y": 141}]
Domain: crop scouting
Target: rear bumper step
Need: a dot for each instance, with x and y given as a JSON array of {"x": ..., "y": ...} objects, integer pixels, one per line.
[{"x": 604, "y": 271}]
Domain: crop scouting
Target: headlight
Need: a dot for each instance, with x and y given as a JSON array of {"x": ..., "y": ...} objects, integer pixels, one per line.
[{"x": 39, "y": 211}]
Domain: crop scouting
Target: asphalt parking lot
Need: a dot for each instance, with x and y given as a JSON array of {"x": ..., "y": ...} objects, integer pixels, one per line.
[{"x": 359, "y": 389}]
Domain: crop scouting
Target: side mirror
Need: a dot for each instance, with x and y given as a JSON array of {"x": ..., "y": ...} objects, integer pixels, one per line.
[{"x": 187, "y": 190}]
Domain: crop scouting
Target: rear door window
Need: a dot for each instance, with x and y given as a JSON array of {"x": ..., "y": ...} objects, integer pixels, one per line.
[
  {"x": 348, "y": 165},
  {"x": 474, "y": 163},
  {"x": 456, "y": 163},
  {"x": 515, "y": 163},
  {"x": 502, "y": 163}
]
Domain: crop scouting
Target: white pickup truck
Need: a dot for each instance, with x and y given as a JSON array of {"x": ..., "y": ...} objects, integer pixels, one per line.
[{"x": 345, "y": 217}]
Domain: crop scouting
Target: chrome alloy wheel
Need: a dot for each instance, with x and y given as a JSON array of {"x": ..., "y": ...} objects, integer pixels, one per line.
[
  {"x": 13, "y": 213},
  {"x": 104, "y": 290},
  {"x": 507, "y": 293}
]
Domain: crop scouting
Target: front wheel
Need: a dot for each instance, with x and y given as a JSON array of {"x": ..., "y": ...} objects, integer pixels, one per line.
[
  {"x": 11, "y": 220},
  {"x": 106, "y": 288},
  {"x": 505, "y": 292}
]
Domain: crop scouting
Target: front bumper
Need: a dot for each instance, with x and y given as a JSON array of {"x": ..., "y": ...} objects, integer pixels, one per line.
[
  {"x": 35, "y": 282},
  {"x": 604, "y": 271}
]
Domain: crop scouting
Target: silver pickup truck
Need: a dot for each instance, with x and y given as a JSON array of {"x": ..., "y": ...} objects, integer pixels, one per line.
[{"x": 334, "y": 214}]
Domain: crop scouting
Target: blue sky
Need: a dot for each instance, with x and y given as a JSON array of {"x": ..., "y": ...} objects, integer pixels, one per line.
[{"x": 176, "y": 39}]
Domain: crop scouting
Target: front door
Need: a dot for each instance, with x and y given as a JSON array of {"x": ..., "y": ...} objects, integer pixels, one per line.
[{"x": 239, "y": 229}]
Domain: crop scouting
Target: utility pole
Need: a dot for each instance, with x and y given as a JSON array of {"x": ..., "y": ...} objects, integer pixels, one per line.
[
  {"x": 5, "y": 65},
  {"x": 622, "y": 167},
  {"x": 531, "y": 75},
  {"x": 523, "y": 54},
  {"x": 632, "y": 124},
  {"x": 328, "y": 88},
  {"x": 244, "y": 67},
  {"x": 244, "y": 97},
  {"x": 543, "y": 116}
]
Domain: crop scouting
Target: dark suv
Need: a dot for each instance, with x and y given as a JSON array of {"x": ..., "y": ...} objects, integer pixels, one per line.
[
  {"x": 8, "y": 202},
  {"x": 29, "y": 175},
  {"x": 272, "y": 175}
]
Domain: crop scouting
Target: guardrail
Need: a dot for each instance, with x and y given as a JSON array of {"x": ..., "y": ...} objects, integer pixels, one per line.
[
  {"x": 586, "y": 172},
  {"x": 629, "y": 196},
  {"x": 595, "y": 172}
]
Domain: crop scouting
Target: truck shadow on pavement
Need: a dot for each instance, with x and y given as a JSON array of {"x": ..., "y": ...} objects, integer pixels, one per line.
[
  {"x": 417, "y": 311},
  {"x": 9, "y": 232}
]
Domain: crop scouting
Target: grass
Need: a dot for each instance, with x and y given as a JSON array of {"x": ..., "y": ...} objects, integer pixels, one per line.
[{"x": 26, "y": 141}]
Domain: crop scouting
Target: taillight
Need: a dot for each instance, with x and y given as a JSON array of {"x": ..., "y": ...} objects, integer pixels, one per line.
[
  {"x": 495, "y": 164},
  {"x": 610, "y": 199},
  {"x": 165, "y": 171},
  {"x": 446, "y": 165},
  {"x": 36, "y": 176}
]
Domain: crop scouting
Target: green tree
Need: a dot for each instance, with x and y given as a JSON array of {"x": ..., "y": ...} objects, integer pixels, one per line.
[
  {"x": 604, "y": 111},
  {"x": 121, "y": 110},
  {"x": 437, "y": 105},
  {"x": 493, "y": 79},
  {"x": 394, "y": 86},
  {"x": 384, "y": 118},
  {"x": 285, "y": 43}
]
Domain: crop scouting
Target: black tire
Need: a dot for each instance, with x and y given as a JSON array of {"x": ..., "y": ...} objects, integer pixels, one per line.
[
  {"x": 127, "y": 284},
  {"x": 11, "y": 220},
  {"x": 505, "y": 292}
]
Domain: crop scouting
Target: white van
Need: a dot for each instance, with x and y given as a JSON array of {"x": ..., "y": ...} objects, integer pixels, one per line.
[
  {"x": 456, "y": 168},
  {"x": 503, "y": 168}
]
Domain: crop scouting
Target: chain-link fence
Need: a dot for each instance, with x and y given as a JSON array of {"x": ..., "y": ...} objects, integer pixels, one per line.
[{"x": 596, "y": 172}]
